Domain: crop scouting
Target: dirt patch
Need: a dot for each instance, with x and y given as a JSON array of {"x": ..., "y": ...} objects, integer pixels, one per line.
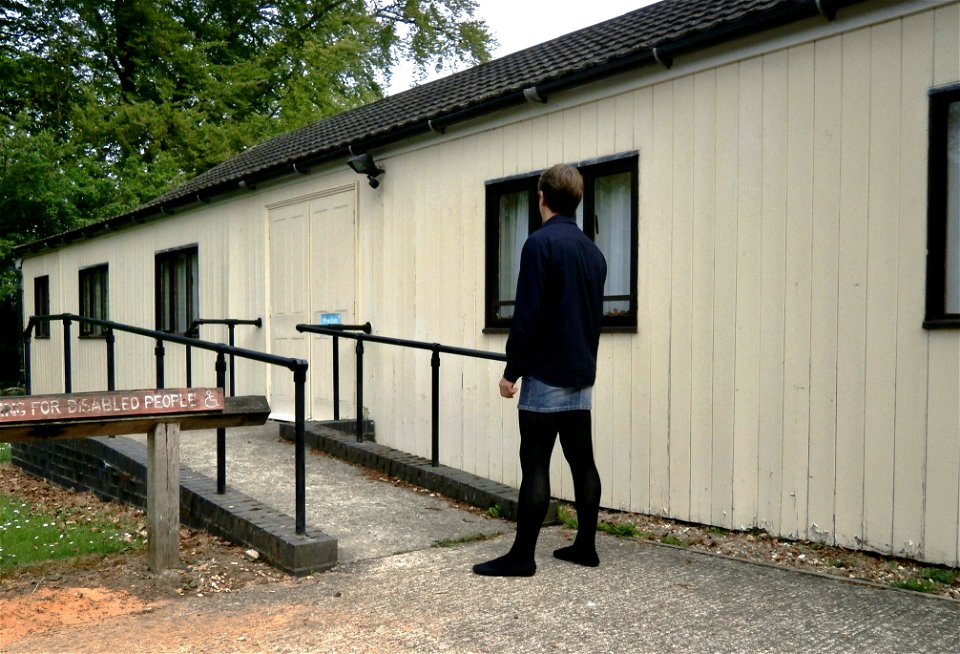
[
  {"x": 47, "y": 609},
  {"x": 88, "y": 589}
]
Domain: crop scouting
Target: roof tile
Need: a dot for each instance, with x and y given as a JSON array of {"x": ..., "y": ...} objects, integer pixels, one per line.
[{"x": 624, "y": 36}]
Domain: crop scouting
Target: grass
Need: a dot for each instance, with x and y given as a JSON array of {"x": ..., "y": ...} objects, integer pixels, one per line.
[
  {"x": 928, "y": 580},
  {"x": 30, "y": 534},
  {"x": 566, "y": 518},
  {"x": 918, "y": 585},
  {"x": 4, "y": 452},
  {"x": 495, "y": 511},
  {"x": 940, "y": 575},
  {"x": 620, "y": 530},
  {"x": 472, "y": 538},
  {"x": 670, "y": 539}
]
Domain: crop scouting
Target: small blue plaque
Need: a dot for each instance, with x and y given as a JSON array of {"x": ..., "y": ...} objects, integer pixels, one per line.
[{"x": 330, "y": 319}]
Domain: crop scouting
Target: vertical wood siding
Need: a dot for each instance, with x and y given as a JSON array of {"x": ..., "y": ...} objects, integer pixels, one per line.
[{"x": 779, "y": 377}]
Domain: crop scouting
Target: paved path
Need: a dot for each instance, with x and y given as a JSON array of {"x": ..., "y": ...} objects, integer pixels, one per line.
[{"x": 397, "y": 593}]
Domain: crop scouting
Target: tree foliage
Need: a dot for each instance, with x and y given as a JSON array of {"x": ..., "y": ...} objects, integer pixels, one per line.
[{"x": 107, "y": 103}]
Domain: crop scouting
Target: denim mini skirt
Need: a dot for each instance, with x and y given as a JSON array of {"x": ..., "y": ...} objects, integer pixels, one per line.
[{"x": 543, "y": 398}]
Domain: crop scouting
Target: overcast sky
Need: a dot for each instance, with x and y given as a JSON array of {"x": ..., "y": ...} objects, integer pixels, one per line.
[{"x": 518, "y": 24}]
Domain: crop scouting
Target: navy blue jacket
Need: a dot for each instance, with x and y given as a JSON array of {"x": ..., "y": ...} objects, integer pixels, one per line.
[{"x": 559, "y": 307}]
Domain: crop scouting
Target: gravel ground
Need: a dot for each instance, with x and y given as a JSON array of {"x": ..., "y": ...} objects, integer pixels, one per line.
[{"x": 212, "y": 565}]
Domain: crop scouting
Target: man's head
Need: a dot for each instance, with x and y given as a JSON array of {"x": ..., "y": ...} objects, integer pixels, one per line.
[{"x": 562, "y": 189}]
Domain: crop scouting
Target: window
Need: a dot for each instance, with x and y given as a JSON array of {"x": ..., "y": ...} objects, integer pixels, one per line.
[
  {"x": 177, "y": 296},
  {"x": 41, "y": 305},
  {"x": 607, "y": 214},
  {"x": 943, "y": 223},
  {"x": 94, "y": 299}
]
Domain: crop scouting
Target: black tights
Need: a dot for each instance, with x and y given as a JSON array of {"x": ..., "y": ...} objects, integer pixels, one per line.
[{"x": 538, "y": 433}]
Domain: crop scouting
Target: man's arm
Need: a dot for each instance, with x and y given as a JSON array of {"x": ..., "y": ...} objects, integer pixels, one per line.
[{"x": 526, "y": 312}]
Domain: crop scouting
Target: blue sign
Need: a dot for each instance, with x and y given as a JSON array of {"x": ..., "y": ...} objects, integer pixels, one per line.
[{"x": 330, "y": 319}]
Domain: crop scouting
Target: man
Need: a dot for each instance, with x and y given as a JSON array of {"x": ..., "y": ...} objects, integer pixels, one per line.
[{"x": 553, "y": 347}]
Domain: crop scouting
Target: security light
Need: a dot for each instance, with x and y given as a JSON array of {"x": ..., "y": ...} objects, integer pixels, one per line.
[{"x": 363, "y": 164}]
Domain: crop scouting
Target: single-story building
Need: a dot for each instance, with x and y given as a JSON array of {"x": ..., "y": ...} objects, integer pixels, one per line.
[{"x": 775, "y": 185}]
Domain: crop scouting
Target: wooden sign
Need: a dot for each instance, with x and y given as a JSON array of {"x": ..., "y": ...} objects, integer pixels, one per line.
[{"x": 109, "y": 404}]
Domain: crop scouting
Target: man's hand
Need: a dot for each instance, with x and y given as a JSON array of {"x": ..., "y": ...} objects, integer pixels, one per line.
[{"x": 507, "y": 388}]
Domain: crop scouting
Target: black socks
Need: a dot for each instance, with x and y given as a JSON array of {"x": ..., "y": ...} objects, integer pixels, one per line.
[
  {"x": 510, "y": 566},
  {"x": 506, "y": 566},
  {"x": 574, "y": 554},
  {"x": 538, "y": 433}
]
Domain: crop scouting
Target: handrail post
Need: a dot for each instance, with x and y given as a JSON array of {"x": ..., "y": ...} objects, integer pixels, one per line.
[
  {"x": 435, "y": 408},
  {"x": 189, "y": 363},
  {"x": 221, "y": 367},
  {"x": 111, "y": 360},
  {"x": 26, "y": 361},
  {"x": 336, "y": 378},
  {"x": 233, "y": 386},
  {"x": 158, "y": 353},
  {"x": 300, "y": 383},
  {"x": 67, "y": 369},
  {"x": 359, "y": 390},
  {"x": 193, "y": 331}
]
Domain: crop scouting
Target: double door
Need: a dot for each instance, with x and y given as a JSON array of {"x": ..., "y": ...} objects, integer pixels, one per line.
[{"x": 313, "y": 277}]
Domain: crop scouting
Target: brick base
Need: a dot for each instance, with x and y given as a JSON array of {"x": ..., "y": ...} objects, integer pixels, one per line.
[{"x": 115, "y": 469}]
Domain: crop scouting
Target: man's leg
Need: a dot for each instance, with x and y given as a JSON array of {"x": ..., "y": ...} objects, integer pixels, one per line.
[
  {"x": 538, "y": 433},
  {"x": 577, "y": 444}
]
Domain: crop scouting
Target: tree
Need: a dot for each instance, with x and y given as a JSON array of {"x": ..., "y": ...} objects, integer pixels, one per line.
[
  {"x": 105, "y": 104},
  {"x": 153, "y": 91}
]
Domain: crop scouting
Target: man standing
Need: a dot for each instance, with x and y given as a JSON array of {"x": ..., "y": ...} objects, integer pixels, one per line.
[{"x": 553, "y": 346}]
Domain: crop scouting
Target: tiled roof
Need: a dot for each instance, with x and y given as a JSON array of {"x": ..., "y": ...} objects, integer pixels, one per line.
[
  {"x": 656, "y": 31},
  {"x": 621, "y": 38}
]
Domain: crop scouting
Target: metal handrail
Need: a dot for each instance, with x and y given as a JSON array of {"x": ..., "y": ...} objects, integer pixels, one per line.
[
  {"x": 297, "y": 366},
  {"x": 194, "y": 332},
  {"x": 366, "y": 328},
  {"x": 436, "y": 348}
]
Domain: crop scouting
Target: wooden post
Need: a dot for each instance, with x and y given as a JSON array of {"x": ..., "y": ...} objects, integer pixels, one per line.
[
  {"x": 40, "y": 418},
  {"x": 163, "y": 496}
]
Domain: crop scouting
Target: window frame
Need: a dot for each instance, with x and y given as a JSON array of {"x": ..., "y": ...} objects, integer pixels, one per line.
[
  {"x": 98, "y": 274},
  {"x": 192, "y": 288},
  {"x": 936, "y": 315},
  {"x": 41, "y": 305},
  {"x": 627, "y": 162}
]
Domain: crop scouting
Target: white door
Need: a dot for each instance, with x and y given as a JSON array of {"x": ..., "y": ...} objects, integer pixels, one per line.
[
  {"x": 333, "y": 265},
  {"x": 312, "y": 273}
]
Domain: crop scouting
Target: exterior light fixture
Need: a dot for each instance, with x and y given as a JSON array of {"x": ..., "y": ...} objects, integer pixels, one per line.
[{"x": 363, "y": 164}]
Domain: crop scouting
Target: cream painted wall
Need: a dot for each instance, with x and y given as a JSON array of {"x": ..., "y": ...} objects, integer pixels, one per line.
[{"x": 780, "y": 376}]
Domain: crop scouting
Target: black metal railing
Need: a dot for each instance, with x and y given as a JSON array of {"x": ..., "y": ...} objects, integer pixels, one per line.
[
  {"x": 194, "y": 332},
  {"x": 366, "y": 328},
  {"x": 436, "y": 348},
  {"x": 297, "y": 366}
]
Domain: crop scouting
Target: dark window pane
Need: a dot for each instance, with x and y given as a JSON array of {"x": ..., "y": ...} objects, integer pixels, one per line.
[
  {"x": 94, "y": 294},
  {"x": 952, "y": 281},
  {"x": 41, "y": 305},
  {"x": 176, "y": 287}
]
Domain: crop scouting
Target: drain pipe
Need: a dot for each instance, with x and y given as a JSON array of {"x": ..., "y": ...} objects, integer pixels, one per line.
[{"x": 24, "y": 364}]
